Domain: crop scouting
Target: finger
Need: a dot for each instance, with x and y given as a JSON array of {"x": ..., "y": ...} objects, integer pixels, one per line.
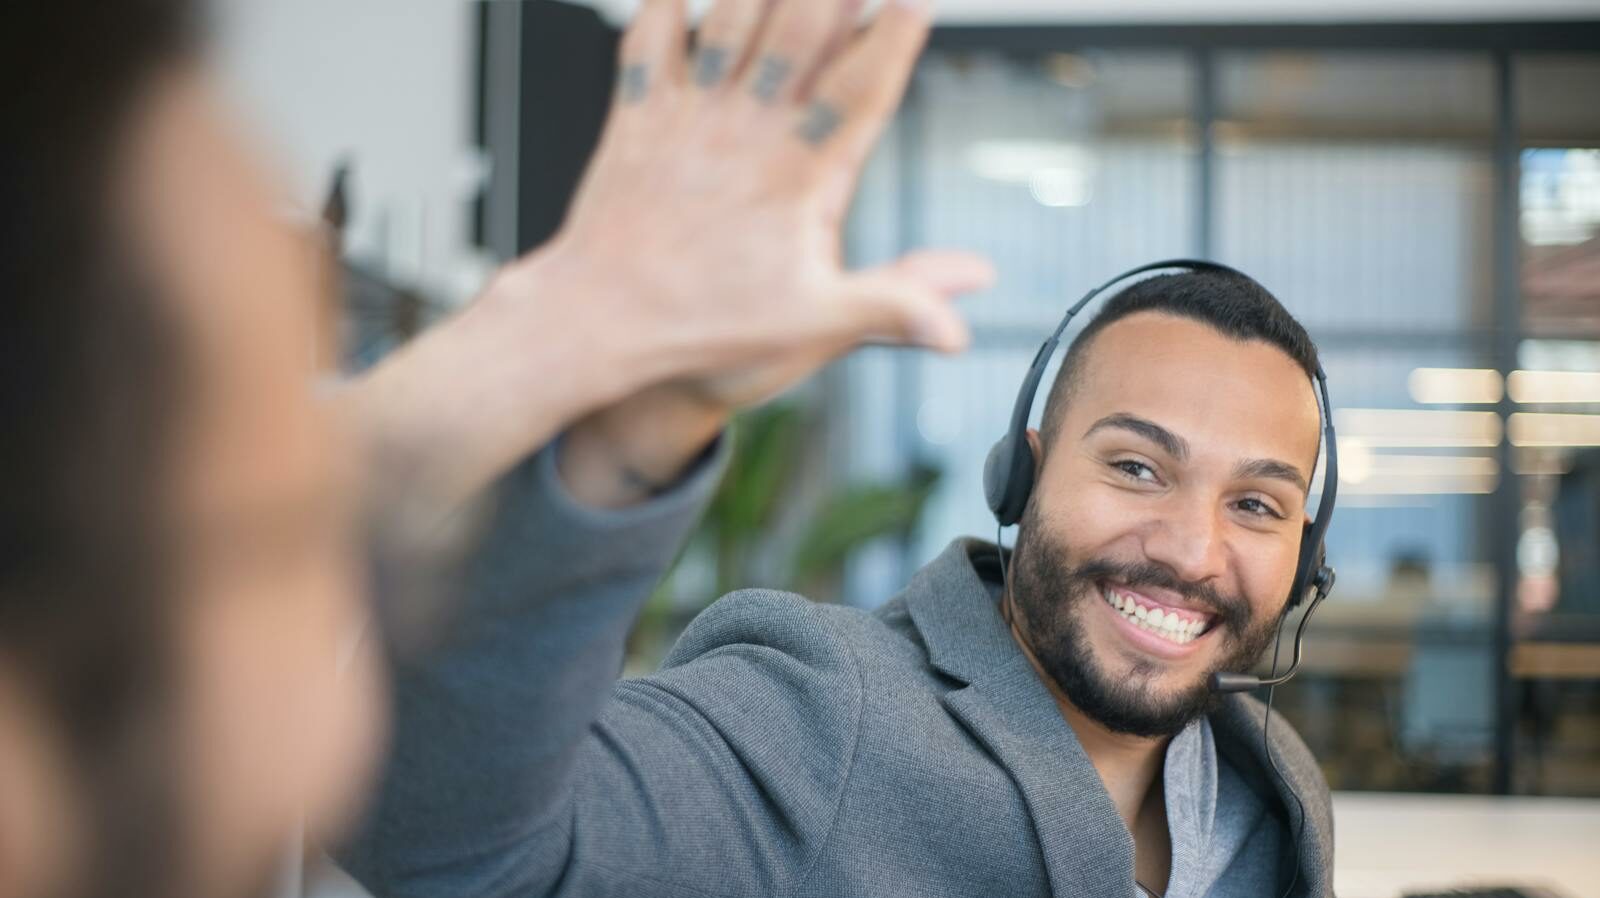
[
  {"x": 651, "y": 57},
  {"x": 907, "y": 302},
  {"x": 844, "y": 32},
  {"x": 950, "y": 272},
  {"x": 792, "y": 41},
  {"x": 726, "y": 40},
  {"x": 856, "y": 96}
]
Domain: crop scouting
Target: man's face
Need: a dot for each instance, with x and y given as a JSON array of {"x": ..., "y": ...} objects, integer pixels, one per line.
[
  {"x": 1161, "y": 539},
  {"x": 273, "y": 729}
]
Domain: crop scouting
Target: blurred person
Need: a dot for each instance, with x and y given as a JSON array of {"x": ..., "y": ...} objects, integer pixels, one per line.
[
  {"x": 1053, "y": 735},
  {"x": 181, "y": 567}
]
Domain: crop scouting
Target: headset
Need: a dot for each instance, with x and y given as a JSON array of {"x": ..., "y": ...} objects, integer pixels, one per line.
[{"x": 1009, "y": 474}]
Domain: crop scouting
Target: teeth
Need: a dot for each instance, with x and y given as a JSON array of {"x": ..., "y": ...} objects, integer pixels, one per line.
[{"x": 1168, "y": 625}]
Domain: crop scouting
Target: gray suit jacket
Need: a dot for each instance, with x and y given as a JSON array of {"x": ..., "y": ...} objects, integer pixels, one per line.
[{"x": 784, "y": 748}]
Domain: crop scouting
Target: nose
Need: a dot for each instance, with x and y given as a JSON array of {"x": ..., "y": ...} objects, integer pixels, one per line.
[{"x": 1188, "y": 538}]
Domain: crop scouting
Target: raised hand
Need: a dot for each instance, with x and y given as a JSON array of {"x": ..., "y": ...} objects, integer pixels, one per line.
[
  {"x": 700, "y": 269},
  {"x": 746, "y": 157},
  {"x": 714, "y": 207}
]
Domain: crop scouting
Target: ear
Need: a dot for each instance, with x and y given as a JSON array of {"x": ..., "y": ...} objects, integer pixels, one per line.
[
  {"x": 35, "y": 834},
  {"x": 1036, "y": 444}
]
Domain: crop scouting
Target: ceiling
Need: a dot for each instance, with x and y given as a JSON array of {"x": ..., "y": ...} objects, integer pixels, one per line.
[{"x": 1222, "y": 11}]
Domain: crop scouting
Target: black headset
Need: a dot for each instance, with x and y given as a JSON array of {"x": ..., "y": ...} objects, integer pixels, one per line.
[{"x": 1008, "y": 474}]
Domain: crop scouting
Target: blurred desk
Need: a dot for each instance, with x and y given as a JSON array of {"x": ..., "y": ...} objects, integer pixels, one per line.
[
  {"x": 1555, "y": 661},
  {"x": 1386, "y": 844},
  {"x": 1382, "y": 656}
]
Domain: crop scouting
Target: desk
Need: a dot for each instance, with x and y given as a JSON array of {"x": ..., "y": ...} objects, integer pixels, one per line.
[{"x": 1387, "y": 844}]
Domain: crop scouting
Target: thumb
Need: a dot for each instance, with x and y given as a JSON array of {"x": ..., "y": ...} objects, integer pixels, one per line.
[{"x": 908, "y": 302}]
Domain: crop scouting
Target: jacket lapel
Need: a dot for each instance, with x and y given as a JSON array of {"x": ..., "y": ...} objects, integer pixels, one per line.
[{"x": 1087, "y": 849}]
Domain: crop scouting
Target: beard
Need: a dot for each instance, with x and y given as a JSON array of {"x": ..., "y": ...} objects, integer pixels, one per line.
[{"x": 1050, "y": 593}]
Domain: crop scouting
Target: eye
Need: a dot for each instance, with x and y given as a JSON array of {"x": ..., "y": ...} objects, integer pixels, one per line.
[
  {"x": 1135, "y": 470},
  {"x": 1258, "y": 508}
]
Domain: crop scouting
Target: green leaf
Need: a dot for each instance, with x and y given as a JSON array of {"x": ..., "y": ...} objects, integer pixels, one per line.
[{"x": 856, "y": 516}]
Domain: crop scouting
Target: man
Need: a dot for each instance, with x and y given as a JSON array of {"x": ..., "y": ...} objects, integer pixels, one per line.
[
  {"x": 180, "y": 569},
  {"x": 1054, "y": 737},
  {"x": 965, "y": 739}
]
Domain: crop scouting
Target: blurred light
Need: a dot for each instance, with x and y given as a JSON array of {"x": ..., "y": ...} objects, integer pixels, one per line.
[
  {"x": 1355, "y": 460},
  {"x": 1429, "y": 485},
  {"x": 1374, "y": 474},
  {"x": 1393, "y": 428},
  {"x": 1061, "y": 188},
  {"x": 1455, "y": 386},
  {"x": 1017, "y": 161},
  {"x": 1433, "y": 465},
  {"x": 1549, "y": 462},
  {"x": 1535, "y": 387},
  {"x": 1528, "y": 429},
  {"x": 939, "y": 421}
]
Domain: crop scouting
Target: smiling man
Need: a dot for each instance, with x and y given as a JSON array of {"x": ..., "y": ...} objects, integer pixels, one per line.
[{"x": 1057, "y": 737}]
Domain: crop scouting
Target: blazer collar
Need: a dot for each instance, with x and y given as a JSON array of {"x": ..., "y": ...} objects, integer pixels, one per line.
[{"x": 1087, "y": 850}]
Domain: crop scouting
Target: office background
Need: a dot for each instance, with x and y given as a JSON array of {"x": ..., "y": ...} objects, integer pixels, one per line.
[{"x": 1425, "y": 196}]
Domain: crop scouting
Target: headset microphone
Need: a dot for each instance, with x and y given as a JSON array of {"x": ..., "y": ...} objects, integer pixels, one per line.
[{"x": 1238, "y": 682}]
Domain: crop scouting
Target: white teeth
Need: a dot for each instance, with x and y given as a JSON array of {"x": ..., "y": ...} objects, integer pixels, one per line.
[{"x": 1166, "y": 624}]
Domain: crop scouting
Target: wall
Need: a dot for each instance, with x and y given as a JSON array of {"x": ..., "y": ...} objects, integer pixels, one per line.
[{"x": 387, "y": 83}]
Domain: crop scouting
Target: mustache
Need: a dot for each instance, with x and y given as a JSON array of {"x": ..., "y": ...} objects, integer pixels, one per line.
[{"x": 1230, "y": 610}]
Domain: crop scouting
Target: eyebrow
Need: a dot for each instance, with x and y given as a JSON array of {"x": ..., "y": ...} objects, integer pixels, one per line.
[
  {"x": 1169, "y": 442},
  {"x": 1272, "y": 469},
  {"x": 1178, "y": 448}
]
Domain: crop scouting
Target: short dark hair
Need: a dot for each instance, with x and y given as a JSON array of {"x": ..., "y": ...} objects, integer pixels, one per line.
[
  {"x": 1230, "y": 304},
  {"x": 87, "y": 385}
]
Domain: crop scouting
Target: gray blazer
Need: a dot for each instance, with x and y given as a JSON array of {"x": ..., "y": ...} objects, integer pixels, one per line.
[{"x": 784, "y": 748}]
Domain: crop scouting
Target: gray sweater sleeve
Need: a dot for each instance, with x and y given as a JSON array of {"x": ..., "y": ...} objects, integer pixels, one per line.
[{"x": 519, "y": 766}]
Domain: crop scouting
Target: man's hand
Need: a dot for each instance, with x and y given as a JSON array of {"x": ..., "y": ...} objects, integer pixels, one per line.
[{"x": 700, "y": 269}]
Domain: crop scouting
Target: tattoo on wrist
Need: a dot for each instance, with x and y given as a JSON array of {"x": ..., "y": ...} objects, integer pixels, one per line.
[
  {"x": 771, "y": 76},
  {"x": 710, "y": 66},
  {"x": 635, "y": 82},
  {"x": 822, "y": 119}
]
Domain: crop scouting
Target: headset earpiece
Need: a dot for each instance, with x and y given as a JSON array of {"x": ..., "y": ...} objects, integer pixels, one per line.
[
  {"x": 1008, "y": 479},
  {"x": 1312, "y": 575}
]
